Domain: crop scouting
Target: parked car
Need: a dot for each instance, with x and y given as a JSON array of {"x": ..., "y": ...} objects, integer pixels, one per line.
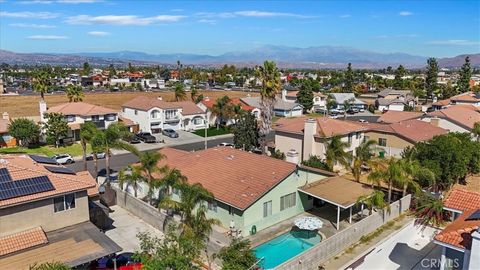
[
  {"x": 170, "y": 133},
  {"x": 134, "y": 140},
  {"x": 363, "y": 121},
  {"x": 100, "y": 155},
  {"x": 63, "y": 159},
  {"x": 226, "y": 144},
  {"x": 352, "y": 111},
  {"x": 146, "y": 137}
]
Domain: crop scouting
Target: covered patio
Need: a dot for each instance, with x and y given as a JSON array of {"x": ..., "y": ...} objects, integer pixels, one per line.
[{"x": 339, "y": 192}]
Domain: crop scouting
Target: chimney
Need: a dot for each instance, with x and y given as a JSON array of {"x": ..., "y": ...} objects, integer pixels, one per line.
[
  {"x": 5, "y": 116},
  {"x": 43, "y": 109},
  {"x": 284, "y": 94},
  {"x": 159, "y": 98},
  {"x": 309, "y": 131},
  {"x": 435, "y": 121},
  {"x": 293, "y": 156}
]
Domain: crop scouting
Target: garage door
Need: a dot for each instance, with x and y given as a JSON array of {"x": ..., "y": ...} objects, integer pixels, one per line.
[{"x": 172, "y": 125}]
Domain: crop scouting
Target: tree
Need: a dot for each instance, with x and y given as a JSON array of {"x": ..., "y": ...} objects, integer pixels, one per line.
[
  {"x": 131, "y": 176},
  {"x": 398, "y": 82},
  {"x": 389, "y": 172},
  {"x": 131, "y": 68},
  {"x": 269, "y": 75},
  {"x": 86, "y": 69},
  {"x": 56, "y": 127},
  {"x": 316, "y": 162},
  {"x": 111, "y": 138},
  {"x": 237, "y": 256},
  {"x": 180, "y": 92},
  {"x": 363, "y": 154},
  {"x": 429, "y": 211},
  {"x": 246, "y": 132},
  {"x": 336, "y": 153},
  {"x": 476, "y": 130},
  {"x": 374, "y": 201},
  {"x": 222, "y": 109},
  {"x": 87, "y": 132},
  {"x": 194, "y": 94},
  {"x": 349, "y": 80},
  {"x": 24, "y": 130},
  {"x": 465, "y": 73},
  {"x": 149, "y": 165},
  {"x": 50, "y": 266},
  {"x": 111, "y": 71},
  {"x": 74, "y": 93},
  {"x": 41, "y": 82},
  {"x": 431, "y": 77},
  {"x": 278, "y": 155},
  {"x": 305, "y": 97}
]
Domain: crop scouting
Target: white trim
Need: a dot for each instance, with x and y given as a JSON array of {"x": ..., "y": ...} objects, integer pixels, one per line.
[
  {"x": 453, "y": 210},
  {"x": 448, "y": 246}
]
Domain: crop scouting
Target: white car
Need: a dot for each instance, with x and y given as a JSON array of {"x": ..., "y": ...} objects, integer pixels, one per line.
[
  {"x": 63, "y": 159},
  {"x": 226, "y": 144}
]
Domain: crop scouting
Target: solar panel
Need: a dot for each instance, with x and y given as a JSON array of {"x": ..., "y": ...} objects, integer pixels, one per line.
[
  {"x": 474, "y": 216},
  {"x": 4, "y": 175},
  {"x": 41, "y": 159},
  {"x": 63, "y": 170},
  {"x": 12, "y": 189}
]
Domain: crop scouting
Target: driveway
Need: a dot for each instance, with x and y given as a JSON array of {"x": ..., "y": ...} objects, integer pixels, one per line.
[{"x": 126, "y": 226}]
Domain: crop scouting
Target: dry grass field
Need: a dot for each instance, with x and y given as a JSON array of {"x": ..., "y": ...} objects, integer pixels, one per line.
[{"x": 22, "y": 106}]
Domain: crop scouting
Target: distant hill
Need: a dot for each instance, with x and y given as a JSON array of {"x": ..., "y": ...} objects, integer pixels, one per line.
[{"x": 287, "y": 57}]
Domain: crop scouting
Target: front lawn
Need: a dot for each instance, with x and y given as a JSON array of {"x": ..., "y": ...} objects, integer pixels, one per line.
[
  {"x": 47, "y": 150},
  {"x": 212, "y": 131}
]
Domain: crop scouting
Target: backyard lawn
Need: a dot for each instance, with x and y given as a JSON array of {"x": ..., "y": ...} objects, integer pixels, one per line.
[
  {"x": 74, "y": 150},
  {"x": 212, "y": 131}
]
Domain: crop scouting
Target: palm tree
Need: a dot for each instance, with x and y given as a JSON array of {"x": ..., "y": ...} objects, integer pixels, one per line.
[
  {"x": 429, "y": 211},
  {"x": 363, "y": 154},
  {"x": 347, "y": 104},
  {"x": 476, "y": 130},
  {"x": 222, "y": 110},
  {"x": 75, "y": 93},
  {"x": 87, "y": 132},
  {"x": 180, "y": 92},
  {"x": 41, "y": 82},
  {"x": 149, "y": 165},
  {"x": 269, "y": 75},
  {"x": 111, "y": 138},
  {"x": 132, "y": 175},
  {"x": 172, "y": 178},
  {"x": 389, "y": 172},
  {"x": 336, "y": 153},
  {"x": 408, "y": 180},
  {"x": 374, "y": 201},
  {"x": 194, "y": 94}
]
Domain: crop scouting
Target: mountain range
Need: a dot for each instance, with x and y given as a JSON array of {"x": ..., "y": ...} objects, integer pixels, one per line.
[{"x": 286, "y": 57}]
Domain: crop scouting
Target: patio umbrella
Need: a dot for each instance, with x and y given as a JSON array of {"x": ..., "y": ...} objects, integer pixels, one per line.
[{"x": 308, "y": 223}]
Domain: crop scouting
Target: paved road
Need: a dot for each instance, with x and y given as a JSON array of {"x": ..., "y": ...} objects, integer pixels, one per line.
[{"x": 117, "y": 162}]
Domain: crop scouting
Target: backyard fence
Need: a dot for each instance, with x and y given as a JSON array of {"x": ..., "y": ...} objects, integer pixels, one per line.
[{"x": 318, "y": 254}]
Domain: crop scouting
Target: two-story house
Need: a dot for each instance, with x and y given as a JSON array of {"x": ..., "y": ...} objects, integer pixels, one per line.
[
  {"x": 455, "y": 118},
  {"x": 77, "y": 113},
  {"x": 394, "y": 100},
  {"x": 207, "y": 105},
  {"x": 154, "y": 114},
  {"x": 340, "y": 99},
  {"x": 319, "y": 99},
  {"x": 44, "y": 214}
]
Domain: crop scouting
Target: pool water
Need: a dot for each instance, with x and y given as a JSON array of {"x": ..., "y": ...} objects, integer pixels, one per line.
[{"x": 284, "y": 247}]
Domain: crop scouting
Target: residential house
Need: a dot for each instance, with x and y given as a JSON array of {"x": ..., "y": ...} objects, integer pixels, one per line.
[
  {"x": 94, "y": 80},
  {"x": 44, "y": 214},
  {"x": 281, "y": 107},
  {"x": 468, "y": 98},
  {"x": 319, "y": 99},
  {"x": 77, "y": 113},
  {"x": 341, "y": 98},
  {"x": 460, "y": 199},
  {"x": 154, "y": 114},
  {"x": 390, "y": 117},
  {"x": 251, "y": 191},
  {"x": 458, "y": 118},
  {"x": 207, "y": 105},
  {"x": 6, "y": 140}
]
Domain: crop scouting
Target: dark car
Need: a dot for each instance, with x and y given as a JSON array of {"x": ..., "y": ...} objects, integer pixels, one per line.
[
  {"x": 134, "y": 140},
  {"x": 170, "y": 133},
  {"x": 146, "y": 137}
]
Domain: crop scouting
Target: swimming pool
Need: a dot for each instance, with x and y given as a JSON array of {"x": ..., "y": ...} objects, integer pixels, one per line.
[{"x": 284, "y": 247}]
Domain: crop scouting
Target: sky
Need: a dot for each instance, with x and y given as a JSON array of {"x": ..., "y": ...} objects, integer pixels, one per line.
[{"x": 425, "y": 27}]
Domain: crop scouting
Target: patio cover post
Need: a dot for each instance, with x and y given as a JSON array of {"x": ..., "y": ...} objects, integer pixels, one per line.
[
  {"x": 338, "y": 217},
  {"x": 350, "y": 218}
]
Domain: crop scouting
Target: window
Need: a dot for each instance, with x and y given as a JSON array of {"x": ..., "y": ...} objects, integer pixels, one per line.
[
  {"x": 110, "y": 117},
  {"x": 63, "y": 203},
  {"x": 155, "y": 114},
  {"x": 287, "y": 201},
  {"x": 71, "y": 118},
  {"x": 197, "y": 121},
  {"x": 382, "y": 141},
  {"x": 267, "y": 209},
  {"x": 124, "y": 110},
  {"x": 170, "y": 114},
  {"x": 136, "y": 112},
  {"x": 357, "y": 135},
  {"x": 350, "y": 138},
  {"x": 212, "y": 206},
  {"x": 230, "y": 211},
  {"x": 95, "y": 118}
]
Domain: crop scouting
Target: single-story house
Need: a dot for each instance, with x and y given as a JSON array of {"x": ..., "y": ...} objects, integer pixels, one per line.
[
  {"x": 341, "y": 98},
  {"x": 281, "y": 107}
]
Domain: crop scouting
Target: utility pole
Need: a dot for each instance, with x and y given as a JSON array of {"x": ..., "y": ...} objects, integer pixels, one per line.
[{"x": 206, "y": 127}]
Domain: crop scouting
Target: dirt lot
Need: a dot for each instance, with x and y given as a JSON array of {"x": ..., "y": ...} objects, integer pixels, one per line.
[{"x": 20, "y": 106}]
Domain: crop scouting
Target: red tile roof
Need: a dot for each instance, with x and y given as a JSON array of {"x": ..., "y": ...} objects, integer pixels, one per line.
[
  {"x": 80, "y": 108},
  {"x": 466, "y": 97},
  {"x": 458, "y": 114},
  {"x": 234, "y": 101},
  {"x": 146, "y": 103},
  {"x": 326, "y": 127},
  {"x": 235, "y": 177},
  {"x": 444, "y": 102},
  {"x": 398, "y": 116},
  {"x": 459, "y": 232},
  {"x": 22, "y": 167},
  {"x": 462, "y": 200},
  {"x": 188, "y": 107},
  {"x": 417, "y": 130},
  {"x": 126, "y": 121},
  {"x": 22, "y": 240}
]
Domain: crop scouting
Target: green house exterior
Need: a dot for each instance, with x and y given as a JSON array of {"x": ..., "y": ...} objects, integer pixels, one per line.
[{"x": 246, "y": 219}]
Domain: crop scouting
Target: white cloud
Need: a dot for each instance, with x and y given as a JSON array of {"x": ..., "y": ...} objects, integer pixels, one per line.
[
  {"x": 29, "y": 15},
  {"x": 345, "y": 16},
  {"x": 208, "y": 21},
  {"x": 78, "y": 1},
  {"x": 405, "y": 13},
  {"x": 122, "y": 19},
  {"x": 32, "y": 25},
  {"x": 98, "y": 33},
  {"x": 454, "y": 42},
  {"x": 47, "y": 37},
  {"x": 33, "y": 2},
  {"x": 249, "y": 13}
]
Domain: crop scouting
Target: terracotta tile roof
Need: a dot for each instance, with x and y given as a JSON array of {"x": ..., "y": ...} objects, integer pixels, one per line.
[
  {"x": 80, "y": 108},
  {"x": 459, "y": 232},
  {"x": 235, "y": 177},
  {"x": 417, "y": 130},
  {"x": 188, "y": 107},
  {"x": 4, "y": 125},
  {"x": 292, "y": 94},
  {"x": 458, "y": 114},
  {"x": 146, "y": 103},
  {"x": 22, "y": 240},
  {"x": 326, "y": 127},
  {"x": 444, "y": 102},
  {"x": 126, "y": 121},
  {"x": 462, "y": 200},
  {"x": 235, "y": 101},
  {"x": 397, "y": 116},
  {"x": 22, "y": 167},
  {"x": 466, "y": 97}
]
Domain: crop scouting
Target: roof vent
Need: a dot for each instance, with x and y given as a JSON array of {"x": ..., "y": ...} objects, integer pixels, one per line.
[
  {"x": 160, "y": 98},
  {"x": 230, "y": 157}
]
